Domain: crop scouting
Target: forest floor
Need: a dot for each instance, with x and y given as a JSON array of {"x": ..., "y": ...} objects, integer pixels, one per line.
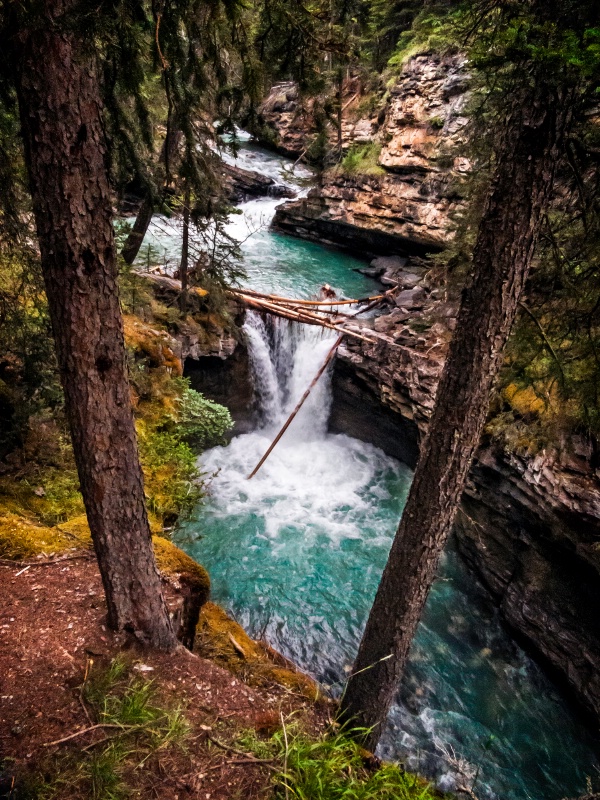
[{"x": 181, "y": 739}]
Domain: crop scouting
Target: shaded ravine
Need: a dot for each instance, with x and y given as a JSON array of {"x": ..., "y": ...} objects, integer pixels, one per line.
[{"x": 296, "y": 554}]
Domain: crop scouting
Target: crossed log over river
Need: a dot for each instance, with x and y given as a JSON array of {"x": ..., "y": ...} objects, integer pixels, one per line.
[{"x": 324, "y": 313}]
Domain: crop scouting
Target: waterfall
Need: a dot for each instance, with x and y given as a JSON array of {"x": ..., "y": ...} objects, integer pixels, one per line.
[{"x": 284, "y": 358}]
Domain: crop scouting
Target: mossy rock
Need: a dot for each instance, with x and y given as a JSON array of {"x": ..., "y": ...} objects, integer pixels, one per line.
[
  {"x": 173, "y": 561},
  {"x": 222, "y": 640},
  {"x": 524, "y": 401},
  {"x": 156, "y": 345},
  {"x": 21, "y": 539}
]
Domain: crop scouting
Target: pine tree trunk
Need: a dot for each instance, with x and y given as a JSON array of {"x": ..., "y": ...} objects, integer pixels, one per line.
[
  {"x": 183, "y": 267},
  {"x": 65, "y": 152},
  {"x": 507, "y": 234},
  {"x": 137, "y": 234}
]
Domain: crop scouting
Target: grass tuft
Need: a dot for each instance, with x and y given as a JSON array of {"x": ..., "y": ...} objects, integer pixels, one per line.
[
  {"x": 333, "y": 767},
  {"x": 363, "y": 160},
  {"x": 110, "y": 767}
]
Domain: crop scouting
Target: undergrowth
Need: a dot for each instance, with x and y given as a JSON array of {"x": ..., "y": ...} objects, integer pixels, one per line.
[
  {"x": 363, "y": 160},
  {"x": 332, "y": 767},
  {"x": 117, "y": 762}
]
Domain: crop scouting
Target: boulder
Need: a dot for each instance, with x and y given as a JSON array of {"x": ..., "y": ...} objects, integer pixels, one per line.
[
  {"x": 411, "y": 298},
  {"x": 389, "y": 263}
]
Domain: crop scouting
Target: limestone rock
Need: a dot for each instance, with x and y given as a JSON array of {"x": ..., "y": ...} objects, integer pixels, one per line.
[
  {"x": 529, "y": 526},
  {"x": 411, "y": 298},
  {"x": 408, "y": 207}
]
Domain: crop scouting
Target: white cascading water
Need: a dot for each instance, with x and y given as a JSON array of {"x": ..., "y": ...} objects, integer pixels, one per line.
[
  {"x": 285, "y": 357},
  {"x": 310, "y": 475},
  {"x": 296, "y": 553}
]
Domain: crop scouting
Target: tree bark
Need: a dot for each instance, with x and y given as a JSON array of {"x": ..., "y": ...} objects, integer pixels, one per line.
[
  {"x": 137, "y": 234},
  {"x": 507, "y": 234},
  {"x": 61, "y": 119},
  {"x": 183, "y": 266}
]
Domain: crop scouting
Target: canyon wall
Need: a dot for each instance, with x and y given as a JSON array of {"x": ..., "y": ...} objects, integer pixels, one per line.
[
  {"x": 529, "y": 525},
  {"x": 403, "y": 200}
]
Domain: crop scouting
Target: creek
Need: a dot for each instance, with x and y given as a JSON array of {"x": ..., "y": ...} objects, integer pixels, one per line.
[{"x": 296, "y": 553}]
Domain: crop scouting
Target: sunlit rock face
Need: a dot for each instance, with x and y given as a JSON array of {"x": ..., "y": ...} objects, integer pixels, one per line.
[
  {"x": 404, "y": 199},
  {"x": 424, "y": 119}
]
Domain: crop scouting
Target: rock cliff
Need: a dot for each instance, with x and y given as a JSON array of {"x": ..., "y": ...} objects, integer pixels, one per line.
[
  {"x": 529, "y": 526},
  {"x": 404, "y": 199}
]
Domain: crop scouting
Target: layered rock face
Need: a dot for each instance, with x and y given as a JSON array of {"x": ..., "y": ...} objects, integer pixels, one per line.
[
  {"x": 405, "y": 202},
  {"x": 529, "y": 526}
]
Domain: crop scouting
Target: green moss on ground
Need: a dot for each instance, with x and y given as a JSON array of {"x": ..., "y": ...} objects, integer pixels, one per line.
[{"x": 173, "y": 561}]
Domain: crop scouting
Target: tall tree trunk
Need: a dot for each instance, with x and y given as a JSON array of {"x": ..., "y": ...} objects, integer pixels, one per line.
[
  {"x": 507, "y": 234},
  {"x": 183, "y": 267},
  {"x": 60, "y": 111},
  {"x": 137, "y": 234}
]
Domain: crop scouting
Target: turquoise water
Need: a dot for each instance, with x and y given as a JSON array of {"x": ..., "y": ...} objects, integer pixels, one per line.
[
  {"x": 273, "y": 262},
  {"x": 296, "y": 553}
]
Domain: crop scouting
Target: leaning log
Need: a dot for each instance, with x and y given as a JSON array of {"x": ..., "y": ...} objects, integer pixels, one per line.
[{"x": 289, "y": 420}]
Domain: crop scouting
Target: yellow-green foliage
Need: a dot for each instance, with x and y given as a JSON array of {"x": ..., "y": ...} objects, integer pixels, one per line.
[
  {"x": 524, "y": 400},
  {"x": 430, "y": 33},
  {"x": 363, "y": 160},
  {"x": 173, "y": 561},
  {"x": 221, "y": 639}
]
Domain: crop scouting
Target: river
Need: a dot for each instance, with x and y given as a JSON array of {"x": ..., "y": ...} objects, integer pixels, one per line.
[{"x": 296, "y": 553}]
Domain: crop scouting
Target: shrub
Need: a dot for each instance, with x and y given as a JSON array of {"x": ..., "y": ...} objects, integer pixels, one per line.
[{"x": 363, "y": 160}]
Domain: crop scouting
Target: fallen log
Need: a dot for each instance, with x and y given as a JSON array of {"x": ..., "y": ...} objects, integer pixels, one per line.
[
  {"x": 300, "y": 302},
  {"x": 300, "y": 316}
]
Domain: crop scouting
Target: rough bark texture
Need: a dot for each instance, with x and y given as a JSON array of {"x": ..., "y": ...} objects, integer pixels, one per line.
[
  {"x": 502, "y": 255},
  {"x": 183, "y": 267},
  {"x": 60, "y": 110}
]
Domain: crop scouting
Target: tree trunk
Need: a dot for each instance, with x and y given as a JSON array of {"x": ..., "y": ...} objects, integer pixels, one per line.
[
  {"x": 137, "y": 234},
  {"x": 61, "y": 118},
  {"x": 507, "y": 234},
  {"x": 183, "y": 267}
]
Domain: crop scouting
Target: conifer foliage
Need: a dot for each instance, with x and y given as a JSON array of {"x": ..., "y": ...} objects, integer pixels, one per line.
[{"x": 546, "y": 55}]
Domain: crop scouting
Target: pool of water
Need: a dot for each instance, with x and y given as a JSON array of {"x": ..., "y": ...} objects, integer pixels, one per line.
[{"x": 273, "y": 262}]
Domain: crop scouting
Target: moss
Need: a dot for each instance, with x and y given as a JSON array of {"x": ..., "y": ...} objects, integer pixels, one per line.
[
  {"x": 222, "y": 640},
  {"x": 156, "y": 345},
  {"x": 20, "y": 538},
  {"x": 173, "y": 561}
]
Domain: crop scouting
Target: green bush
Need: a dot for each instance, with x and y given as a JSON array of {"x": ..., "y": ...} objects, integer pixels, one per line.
[
  {"x": 203, "y": 422},
  {"x": 363, "y": 160}
]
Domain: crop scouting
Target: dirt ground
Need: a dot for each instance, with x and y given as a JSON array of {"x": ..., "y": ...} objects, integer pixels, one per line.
[{"x": 53, "y": 632}]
